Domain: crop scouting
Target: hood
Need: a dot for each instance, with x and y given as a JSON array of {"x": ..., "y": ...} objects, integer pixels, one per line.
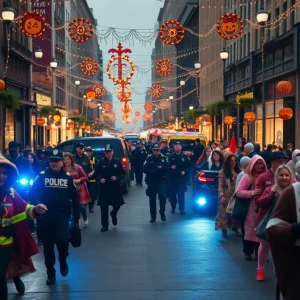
[
  {"x": 295, "y": 152},
  {"x": 13, "y": 172},
  {"x": 254, "y": 159}
]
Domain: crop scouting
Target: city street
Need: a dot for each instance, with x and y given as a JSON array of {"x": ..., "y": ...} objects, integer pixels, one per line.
[{"x": 182, "y": 259}]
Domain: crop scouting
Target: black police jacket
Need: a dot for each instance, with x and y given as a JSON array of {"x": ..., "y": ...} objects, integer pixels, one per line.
[
  {"x": 182, "y": 164},
  {"x": 57, "y": 191},
  {"x": 110, "y": 192},
  {"x": 166, "y": 152},
  {"x": 155, "y": 168},
  {"x": 138, "y": 156},
  {"x": 84, "y": 162},
  {"x": 23, "y": 165}
]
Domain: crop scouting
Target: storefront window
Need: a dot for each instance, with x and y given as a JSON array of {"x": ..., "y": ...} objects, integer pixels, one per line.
[
  {"x": 288, "y": 51},
  {"x": 9, "y": 126}
]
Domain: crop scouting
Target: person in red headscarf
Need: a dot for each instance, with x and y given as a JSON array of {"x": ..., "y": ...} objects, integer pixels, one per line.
[{"x": 16, "y": 241}]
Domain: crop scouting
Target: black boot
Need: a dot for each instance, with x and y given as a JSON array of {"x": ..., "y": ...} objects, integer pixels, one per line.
[
  {"x": 20, "y": 287},
  {"x": 152, "y": 220},
  {"x": 51, "y": 280},
  {"x": 163, "y": 217},
  {"x": 3, "y": 289},
  {"x": 64, "y": 268},
  {"x": 114, "y": 219},
  {"x": 104, "y": 228}
]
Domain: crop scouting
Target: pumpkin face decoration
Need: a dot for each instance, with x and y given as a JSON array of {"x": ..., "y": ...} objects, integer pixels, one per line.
[
  {"x": 90, "y": 94},
  {"x": 230, "y": 26},
  {"x": 33, "y": 24}
]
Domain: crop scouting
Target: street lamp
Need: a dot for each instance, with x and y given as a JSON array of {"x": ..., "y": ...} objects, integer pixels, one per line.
[
  {"x": 262, "y": 18},
  {"x": 77, "y": 83},
  {"x": 191, "y": 107},
  {"x": 8, "y": 14},
  {"x": 53, "y": 63},
  {"x": 224, "y": 56},
  {"x": 182, "y": 82},
  {"x": 171, "y": 97},
  {"x": 38, "y": 53},
  {"x": 197, "y": 65}
]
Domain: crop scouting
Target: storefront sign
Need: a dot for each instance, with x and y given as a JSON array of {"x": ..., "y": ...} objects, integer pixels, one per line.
[
  {"x": 43, "y": 100},
  {"x": 245, "y": 96},
  {"x": 41, "y": 75}
]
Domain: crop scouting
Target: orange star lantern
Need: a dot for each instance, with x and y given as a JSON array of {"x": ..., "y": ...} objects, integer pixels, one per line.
[
  {"x": 171, "y": 32},
  {"x": 89, "y": 66},
  {"x": 164, "y": 67},
  {"x": 155, "y": 91},
  {"x": 80, "y": 30}
]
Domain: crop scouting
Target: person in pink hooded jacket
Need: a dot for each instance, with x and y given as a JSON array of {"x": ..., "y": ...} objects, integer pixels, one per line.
[{"x": 246, "y": 189}]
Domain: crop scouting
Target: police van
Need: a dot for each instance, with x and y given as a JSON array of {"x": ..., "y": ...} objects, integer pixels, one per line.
[{"x": 97, "y": 144}]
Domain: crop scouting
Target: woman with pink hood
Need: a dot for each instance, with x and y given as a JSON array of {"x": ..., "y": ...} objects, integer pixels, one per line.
[{"x": 246, "y": 190}]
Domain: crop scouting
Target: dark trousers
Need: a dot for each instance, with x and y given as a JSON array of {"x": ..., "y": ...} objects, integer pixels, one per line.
[
  {"x": 93, "y": 190},
  {"x": 157, "y": 188},
  {"x": 54, "y": 232},
  {"x": 82, "y": 208},
  {"x": 176, "y": 192},
  {"x": 249, "y": 247},
  {"x": 138, "y": 171},
  {"x": 104, "y": 214},
  {"x": 5, "y": 255}
]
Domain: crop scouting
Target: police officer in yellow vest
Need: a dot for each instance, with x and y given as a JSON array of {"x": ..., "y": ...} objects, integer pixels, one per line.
[
  {"x": 92, "y": 183},
  {"x": 55, "y": 188}
]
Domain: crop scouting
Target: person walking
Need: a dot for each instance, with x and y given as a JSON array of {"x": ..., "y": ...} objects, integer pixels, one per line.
[
  {"x": 155, "y": 168},
  {"x": 179, "y": 167},
  {"x": 80, "y": 179},
  {"x": 138, "y": 156},
  {"x": 164, "y": 148},
  {"x": 16, "y": 241},
  {"x": 204, "y": 157},
  {"x": 55, "y": 188},
  {"x": 92, "y": 182},
  {"x": 109, "y": 174},
  {"x": 82, "y": 159}
]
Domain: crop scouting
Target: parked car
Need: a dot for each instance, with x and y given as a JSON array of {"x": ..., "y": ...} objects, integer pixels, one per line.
[
  {"x": 205, "y": 192},
  {"x": 98, "y": 144}
]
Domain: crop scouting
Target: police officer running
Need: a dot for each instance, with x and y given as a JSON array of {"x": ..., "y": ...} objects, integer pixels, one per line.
[
  {"x": 177, "y": 177},
  {"x": 155, "y": 168},
  {"x": 138, "y": 157},
  {"x": 109, "y": 173},
  {"x": 55, "y": 189}
]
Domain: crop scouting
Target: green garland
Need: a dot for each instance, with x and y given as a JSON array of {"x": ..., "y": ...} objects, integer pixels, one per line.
[
  {"x": 9, "y": 99},
  {"x": 214, "y": 109},
  {"x": 46, "y": 111}
]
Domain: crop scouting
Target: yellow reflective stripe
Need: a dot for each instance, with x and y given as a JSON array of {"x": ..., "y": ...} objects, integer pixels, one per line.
[
  {"x": 18, "y": 218},
  {"x": 6, "y": 241},
  {"x": 29, "y": 211}
]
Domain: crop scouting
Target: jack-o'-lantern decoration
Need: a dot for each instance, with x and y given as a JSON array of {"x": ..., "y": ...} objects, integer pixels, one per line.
[
  {"x": 33, "y": 24},
  {"x": 250, "y": 116},
  {"x": 40, "y": 121},
  {"x": 230, "y": 26},
  {"x": 75, "y": 111},
  {"x": 48, "y": 127},
  {"x": 171, "y": 32},
  {"x": 284, "y": 87},
  {"x": 99, "y": 89},
  {"x": 137, "y": 113},
  {"x": 228, "y": 120},
  {"x": 164, "y": 67},
  {"x": 90, "y": 94},
  {"x": 80, "y": 30},
  {"x": 2, "y": 85},
  {"x": 171, "y": 118},
  {"x": 285, "y": 113},
  {"x": 107, "y": 106},
  {"x": 155, "y": 91},
  {"x": 164, "y": 104},
  {"x": 148, "y": 107},
  {"x": 89, "y": 66}
]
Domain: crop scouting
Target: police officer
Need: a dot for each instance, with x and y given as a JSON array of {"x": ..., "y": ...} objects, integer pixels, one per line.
[
  {"x": 155, "y": 168},
  {"x": 109, "y": 173},
  {"x": 179, "y": 165},
  {"x": 92, "y": 182},
  {"x": 138, "y": 157},
  {"x": 82, "y": 159},
  {"x": 164, "y": 149},
  {"x": 55, "y": 189}
]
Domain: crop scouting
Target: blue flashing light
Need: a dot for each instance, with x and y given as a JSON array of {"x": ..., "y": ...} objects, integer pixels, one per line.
[
  {"x": 23, "y": 181},
  {"x": 201, "y": 201}
]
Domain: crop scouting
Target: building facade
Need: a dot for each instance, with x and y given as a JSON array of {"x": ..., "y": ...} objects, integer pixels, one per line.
[{"x": 253, "y": 70}]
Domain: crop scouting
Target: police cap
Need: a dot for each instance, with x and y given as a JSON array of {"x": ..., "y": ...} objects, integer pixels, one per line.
[
  {"x": 88, "y": 149},
  {"x": 155, "y": 146},
  {"x": 108, "y": 147},
  {"x": 55, "y": 155},
  {"x": 80, "y": 145},
  {"x": 177, "y": 143}
]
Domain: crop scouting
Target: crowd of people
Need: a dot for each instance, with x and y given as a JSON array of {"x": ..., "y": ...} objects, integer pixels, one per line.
[{"x": 258, "y": 199}]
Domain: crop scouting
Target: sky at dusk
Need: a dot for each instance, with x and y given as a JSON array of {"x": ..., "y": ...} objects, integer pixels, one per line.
[{"x": 130, "y": 14}]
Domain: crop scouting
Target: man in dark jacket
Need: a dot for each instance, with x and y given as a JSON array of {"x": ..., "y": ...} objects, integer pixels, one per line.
[
  {"x": 109, "y": 173},
  {"x": 138, "y": 156},
  {"x": 198, "y": 150},
  {"x": 82, "y": 159}
]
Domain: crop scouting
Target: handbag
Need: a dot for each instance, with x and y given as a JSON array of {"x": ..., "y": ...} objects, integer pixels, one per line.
[
  {"x": 260, "y": 231},
  {"x": 75, "y": 236},
  {"x": 231, "y": 204},
  {"x": 241, "y": 207}
]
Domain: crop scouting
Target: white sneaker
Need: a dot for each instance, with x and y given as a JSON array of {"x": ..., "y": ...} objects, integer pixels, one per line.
[{"x": 86, "y": 222}]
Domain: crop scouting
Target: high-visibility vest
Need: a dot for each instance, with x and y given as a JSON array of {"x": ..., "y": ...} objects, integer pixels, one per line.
[{"x": 279, "y": 222}]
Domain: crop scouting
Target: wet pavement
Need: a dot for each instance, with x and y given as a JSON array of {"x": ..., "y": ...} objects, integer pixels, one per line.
[{"x": 182, "y": 259}]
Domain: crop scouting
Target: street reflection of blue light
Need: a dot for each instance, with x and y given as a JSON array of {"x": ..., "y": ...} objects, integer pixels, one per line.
[{"x": 201, "y": 201}]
